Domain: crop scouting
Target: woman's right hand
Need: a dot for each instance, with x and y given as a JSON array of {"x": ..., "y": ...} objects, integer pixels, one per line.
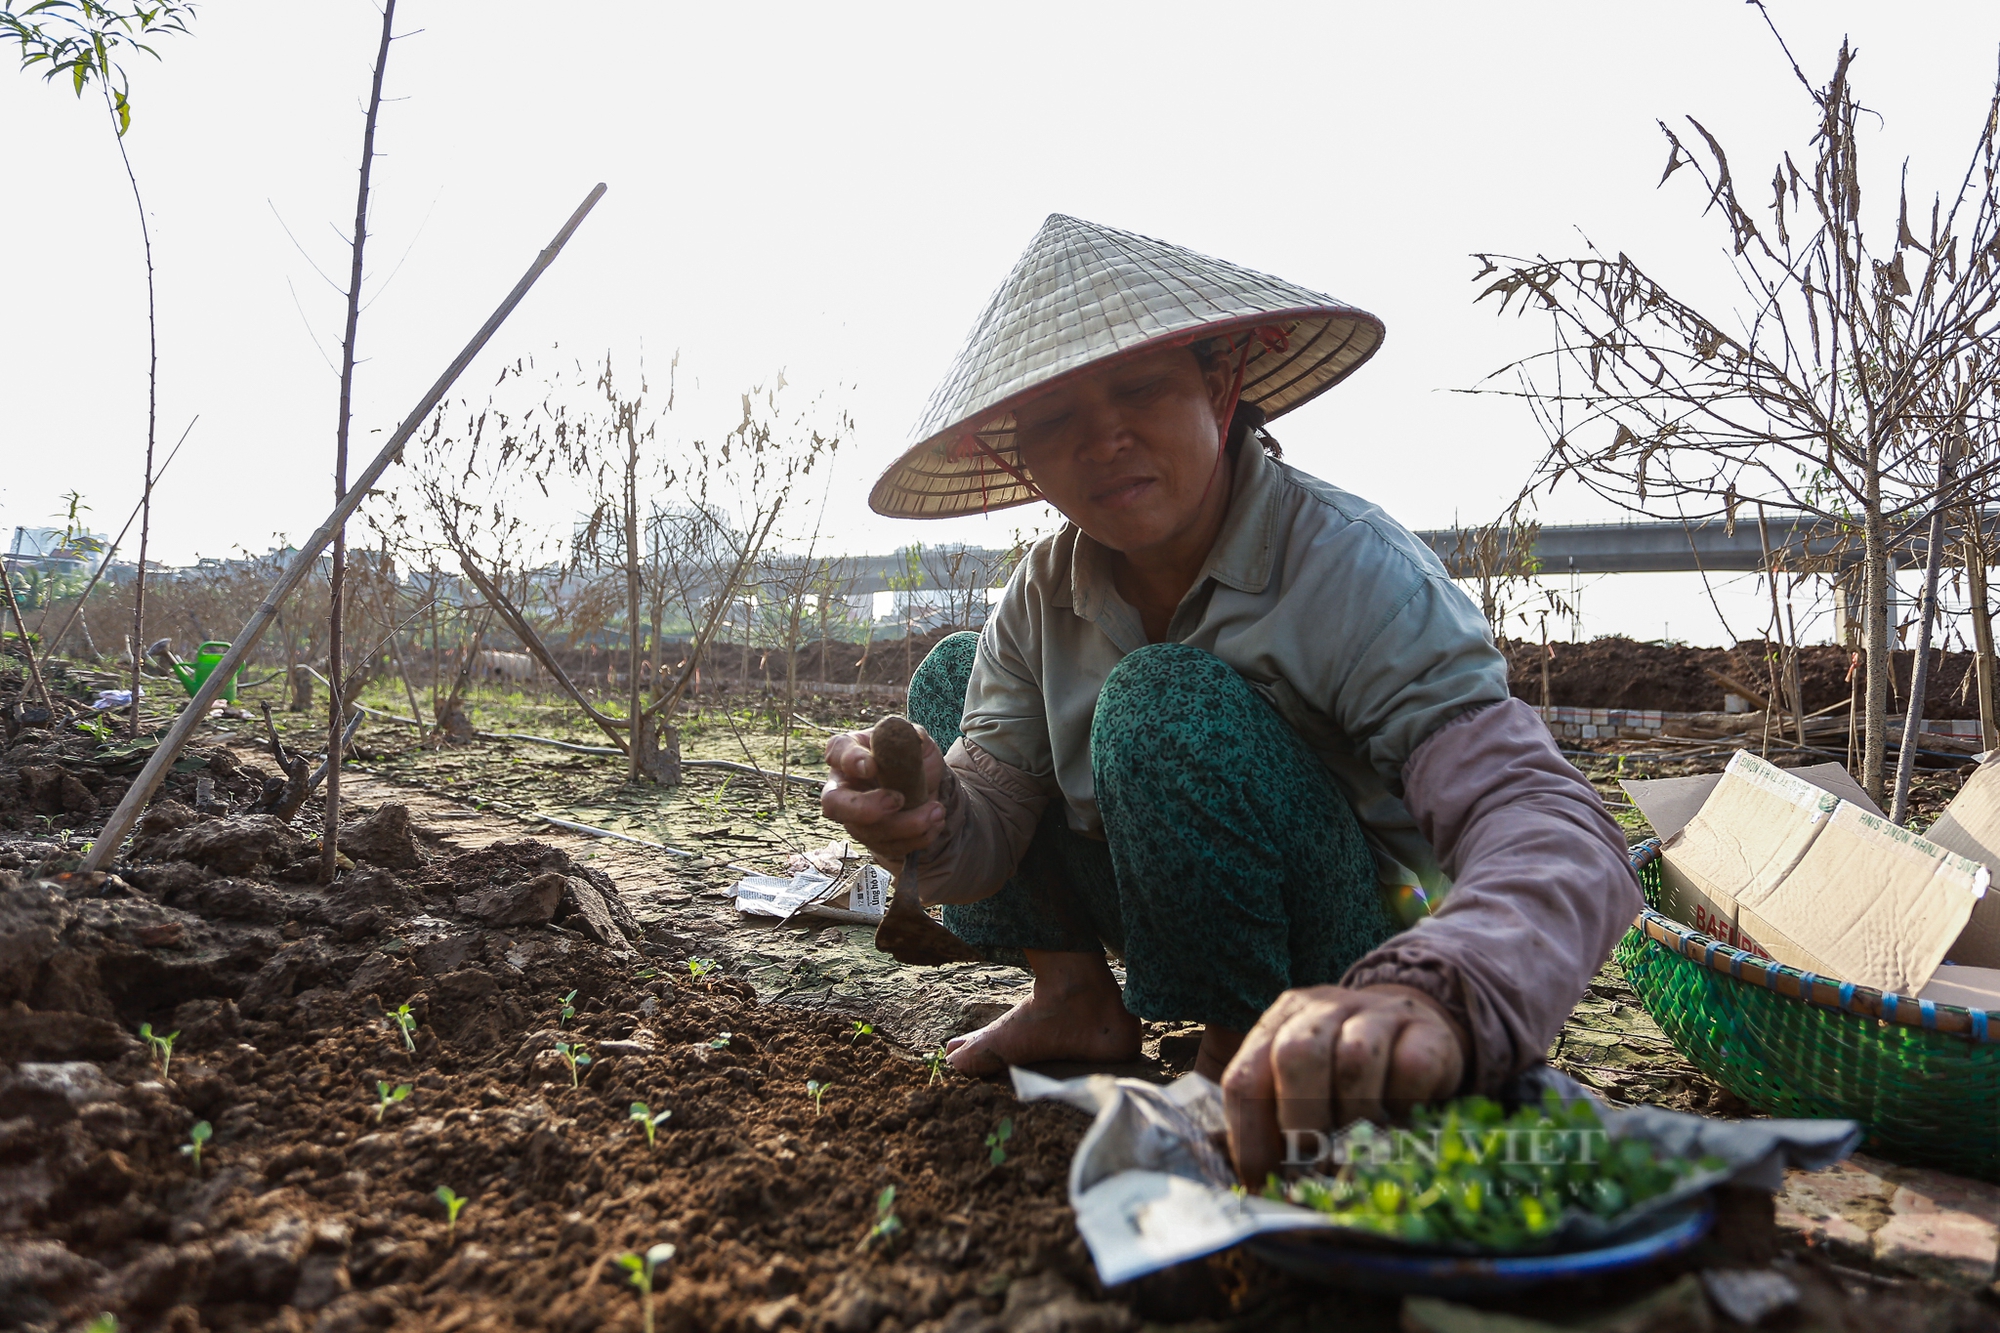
[{"x": 873, "y": 815}]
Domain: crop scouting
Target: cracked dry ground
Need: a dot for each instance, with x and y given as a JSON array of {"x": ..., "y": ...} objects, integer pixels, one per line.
[{"x": 309, "y": 1210}]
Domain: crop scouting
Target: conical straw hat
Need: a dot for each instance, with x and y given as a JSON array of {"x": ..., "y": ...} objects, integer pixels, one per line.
[{"x": 1080, "y": 295}]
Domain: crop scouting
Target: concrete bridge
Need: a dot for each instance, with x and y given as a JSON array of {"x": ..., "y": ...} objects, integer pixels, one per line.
[{"x": 1804, "y": 543}]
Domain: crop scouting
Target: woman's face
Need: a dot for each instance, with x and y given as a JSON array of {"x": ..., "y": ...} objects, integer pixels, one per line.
[{"x": 1128, "y": 453}]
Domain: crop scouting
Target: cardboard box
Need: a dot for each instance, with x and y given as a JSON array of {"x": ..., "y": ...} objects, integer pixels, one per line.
[
  {"x": 1781, "y": 866},
  {"x": 1967, "y": 987},
  {"x": 1669, "y": 803},
  {"x": 1970, "y": 826}
]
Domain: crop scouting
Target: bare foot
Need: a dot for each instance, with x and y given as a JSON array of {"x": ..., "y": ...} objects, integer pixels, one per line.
[
  {"x": 1218, "y": 1047},
  {"x": 1076, "y": 1013}
]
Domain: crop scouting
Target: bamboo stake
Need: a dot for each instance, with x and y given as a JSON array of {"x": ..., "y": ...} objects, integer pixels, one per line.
[{"x": 127, "y": 814}]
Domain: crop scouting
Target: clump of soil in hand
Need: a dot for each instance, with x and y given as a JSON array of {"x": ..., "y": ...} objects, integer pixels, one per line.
[{"x": 908, "y": 933}]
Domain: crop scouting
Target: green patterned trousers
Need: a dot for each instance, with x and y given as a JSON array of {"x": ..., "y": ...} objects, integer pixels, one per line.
[{"x": 1233, "y": 867}]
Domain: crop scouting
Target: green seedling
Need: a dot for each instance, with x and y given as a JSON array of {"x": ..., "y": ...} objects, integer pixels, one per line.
[
  {"x": 386, "y": 1096},
  {"x": 861, "y": 1030},
  {"x": 452, "y": 1204},
  {"x": 887, "y": 1224},
  {"x": 700, "y": 967},
  {"x": 406, "y": 1023},
  {"x": 568, "y": 1009},
  {"x": 937, "y": 1062},
  {"x": 200, "y": 1134},
  {"x": 817, "y": 1091},
  {"x": 639, "y": 1270},
  {"x": 1499, "y": 1181},
  {"x": 720, "y": 1041},
  {"x": 162, "y": 1046},
  {"x": 104, "y": 1323},
  {"x": 576, "y": 1058},
  {"x": 996, "y": 1141},
  {"x": 647, "y": 1120}
]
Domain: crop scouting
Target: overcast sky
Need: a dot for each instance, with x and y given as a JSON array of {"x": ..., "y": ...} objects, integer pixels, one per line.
[{"x": 834, "y": 191}]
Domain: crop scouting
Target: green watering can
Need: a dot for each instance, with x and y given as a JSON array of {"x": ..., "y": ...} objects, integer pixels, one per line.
[{"x": 206, "y": 658}]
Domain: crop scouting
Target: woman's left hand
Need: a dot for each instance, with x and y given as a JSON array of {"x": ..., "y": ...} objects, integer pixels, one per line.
[{"x": 1324, "y": 1056}]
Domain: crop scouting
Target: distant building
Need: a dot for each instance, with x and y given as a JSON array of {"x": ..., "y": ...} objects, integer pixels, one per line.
[{"x": 57, "y": 549}]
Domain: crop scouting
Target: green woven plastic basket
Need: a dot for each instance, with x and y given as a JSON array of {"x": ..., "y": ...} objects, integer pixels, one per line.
[{"x": 1923, "y": 1078}]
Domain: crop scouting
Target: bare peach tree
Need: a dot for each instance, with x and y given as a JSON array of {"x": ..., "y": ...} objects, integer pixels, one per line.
[
  {"x": 1838, "y": 383},
  {"x": 85, "y": 42}
]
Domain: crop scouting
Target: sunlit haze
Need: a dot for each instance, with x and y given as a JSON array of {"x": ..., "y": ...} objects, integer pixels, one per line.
[{"x": 834, "y": 191}]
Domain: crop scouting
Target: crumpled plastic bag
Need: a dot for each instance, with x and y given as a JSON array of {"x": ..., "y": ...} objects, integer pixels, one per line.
[{"x": 1151, "y": 1189}]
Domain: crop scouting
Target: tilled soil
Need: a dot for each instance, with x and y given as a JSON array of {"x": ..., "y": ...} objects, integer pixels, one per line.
[
  {"x": 308, "y": 1207},
  {"x": 314, "y": 1203}
]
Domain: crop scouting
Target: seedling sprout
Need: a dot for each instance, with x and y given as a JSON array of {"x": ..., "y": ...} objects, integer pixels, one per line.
[
  {"x": 817, "y": 1091},
  {"x": 568, "y": 1009},
  {"x": 452, "y": 1203},
  {"x": 700, "y": 967},
  {"x": 200, "y": 1134},
  {"x": 576, "y": 1058},
  {"x": 406, "y": 1023},
  {"x": 937, "y": 1063},
  {"x": 887, "y": 1224},
  {"x": 647, "y": 1120},
  {"x": 861, "y": 1030},
  {"x": 104, "y": 1323},
  {"x": 639, "y": 1272},
  {"x": 386, "y": 1096},
  {"x": 720, "y": 1041},
  {"x": 162, "y": 1046},
  {"x": 997, "y": 1140}
]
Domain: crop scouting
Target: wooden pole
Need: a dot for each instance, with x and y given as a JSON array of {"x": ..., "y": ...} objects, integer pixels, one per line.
[{"x": 127, "y": 814}]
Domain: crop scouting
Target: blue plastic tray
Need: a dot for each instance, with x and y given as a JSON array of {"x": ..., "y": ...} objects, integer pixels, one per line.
[{"x": 1319, "y": 1258}]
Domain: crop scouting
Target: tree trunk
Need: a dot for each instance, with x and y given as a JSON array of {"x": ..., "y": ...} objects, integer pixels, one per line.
[
  {"x": 1982, "y": 625},
  {"x": 1875, "y": 640},
  {"x": 152, "y": 413},
  {"x": 1920, "y": 669},
  {"x": 1545, "y": 671},
  {"x": 329, "y": 851},
  {"x": 448, "y": 719},
  {"x": 292, "y": 703},
  {"x": 791, "y": 696},
  {"x": 634, "y": 768}
]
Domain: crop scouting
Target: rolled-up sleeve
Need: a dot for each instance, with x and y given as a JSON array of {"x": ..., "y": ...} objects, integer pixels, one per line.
[
  {"x": 1543, "y": 887},
  {"x": 990, "y": 813}
]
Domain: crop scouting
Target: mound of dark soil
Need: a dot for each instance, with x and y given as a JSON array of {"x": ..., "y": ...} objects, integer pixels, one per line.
[{"x": 1625, "y": 673}]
